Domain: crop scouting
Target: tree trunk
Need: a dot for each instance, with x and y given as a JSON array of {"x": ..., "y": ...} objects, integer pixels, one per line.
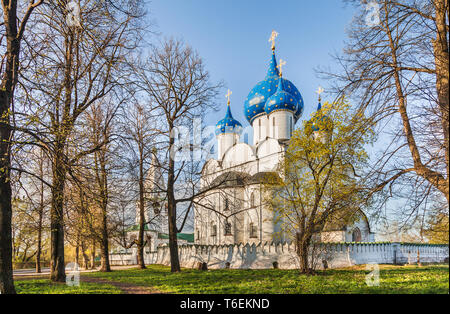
[
  {"x": 9, "y": 81},
  {"x": 39, "y": 252},
  {"x": 77, "y": 254},
  {"x": 441, "y": 54},
  {"x": 93, "y": 255},
  {"x": 303, "y": 243},
  {"x": 104, "y": 252},
  {"x": 6, "y": 269},
  {"x": 56, "y": 217},
  {"x": 104, "y": 243},
  {"x": 39, "y": 236},
  {"x": 172, "y": 212},
  {"x": 104, "y": 247},
  {"x": 102, "y": 179},
  {"x": 140, "y": 242},
  {"x": 85, "y": 257}
]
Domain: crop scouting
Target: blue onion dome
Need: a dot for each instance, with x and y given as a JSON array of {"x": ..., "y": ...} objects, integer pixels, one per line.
[
  {"x": 258, "y": 96},
  {"x": 254, "y": 104},
  {"x": 281, "y": 100},
  {"x": 321, "y": 121},
  {"x": 228, "y": 124}
]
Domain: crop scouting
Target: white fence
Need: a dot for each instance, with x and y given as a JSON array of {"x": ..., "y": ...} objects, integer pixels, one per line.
[{"x": 263, "y": 255}]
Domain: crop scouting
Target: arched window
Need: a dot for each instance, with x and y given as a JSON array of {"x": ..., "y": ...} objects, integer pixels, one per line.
[
  {"x": 213, "y": 230},
  {"x": 226, "y": 204},
  {"x": 356, "y": 235},
  {"x": 252, "y": 200}
]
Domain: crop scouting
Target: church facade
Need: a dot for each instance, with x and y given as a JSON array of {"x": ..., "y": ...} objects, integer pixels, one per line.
[{"x": 236, "y": 213}]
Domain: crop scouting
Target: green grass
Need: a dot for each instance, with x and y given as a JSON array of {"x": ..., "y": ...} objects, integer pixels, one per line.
[
  {"x": 45, "y": 286},
  {"x": 393, "y": 279}
]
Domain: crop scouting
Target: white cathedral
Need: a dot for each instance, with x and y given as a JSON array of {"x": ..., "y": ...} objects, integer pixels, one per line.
[{"x": 236, "y": 213}]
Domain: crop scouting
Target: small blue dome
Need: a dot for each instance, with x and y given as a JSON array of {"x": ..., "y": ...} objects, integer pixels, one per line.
[
  {"x": 258, "y": 96},
  {"x": 228, "y": 124},
  {"x": 320, "y": 119},
  {"x": 281, "y": 100}
]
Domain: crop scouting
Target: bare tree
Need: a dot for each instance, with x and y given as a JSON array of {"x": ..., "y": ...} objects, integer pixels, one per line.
[
  {"x": 76, "y": 66},
  {"x": 180, "y": 90},
  {"x": 397, "y": 71},
  {"x": 101, "y": 132},
  {"x": 32, "y": 183},
  {"x": 139, "y": 141},
  {"x": 14, "y": 23}
]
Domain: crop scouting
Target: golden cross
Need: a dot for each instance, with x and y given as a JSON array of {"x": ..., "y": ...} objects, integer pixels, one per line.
[
  {"x": 280, "y": 66},
  {"x": 319, "y": 92},
  {"x": 228, "y": 95},
  {"x": 272, "y": 38}
]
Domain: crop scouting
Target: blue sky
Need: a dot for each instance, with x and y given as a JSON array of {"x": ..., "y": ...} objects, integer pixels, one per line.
[{"x": 232, "y": 38}]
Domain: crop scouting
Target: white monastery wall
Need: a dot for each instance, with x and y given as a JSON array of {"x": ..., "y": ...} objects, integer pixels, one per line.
[{"x": 263, "y": 255}]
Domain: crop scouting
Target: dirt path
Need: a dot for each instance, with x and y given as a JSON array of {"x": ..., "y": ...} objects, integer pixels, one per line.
[{"x": 125, "y": 287}]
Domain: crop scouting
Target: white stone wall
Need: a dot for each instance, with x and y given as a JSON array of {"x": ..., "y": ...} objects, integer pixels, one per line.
[{"x": 263, "y": 255}]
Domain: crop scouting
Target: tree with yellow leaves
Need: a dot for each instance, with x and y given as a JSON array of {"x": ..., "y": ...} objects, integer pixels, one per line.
[{"x": 320, "y": 182}]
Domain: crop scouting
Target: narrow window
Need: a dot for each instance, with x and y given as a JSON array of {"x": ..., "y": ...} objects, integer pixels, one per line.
[
  {"x": 290, "y": 126},
  {"x": 259, "y": 129},
  {"x": 273, "y": 127},
  {"x": 252, "y": 200},
  {"x": 226, "y": 204},
  {"x": 213, "y": 230},
  {"x": 253, "y": 230},
  {"x": 227, "y": 228}
]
